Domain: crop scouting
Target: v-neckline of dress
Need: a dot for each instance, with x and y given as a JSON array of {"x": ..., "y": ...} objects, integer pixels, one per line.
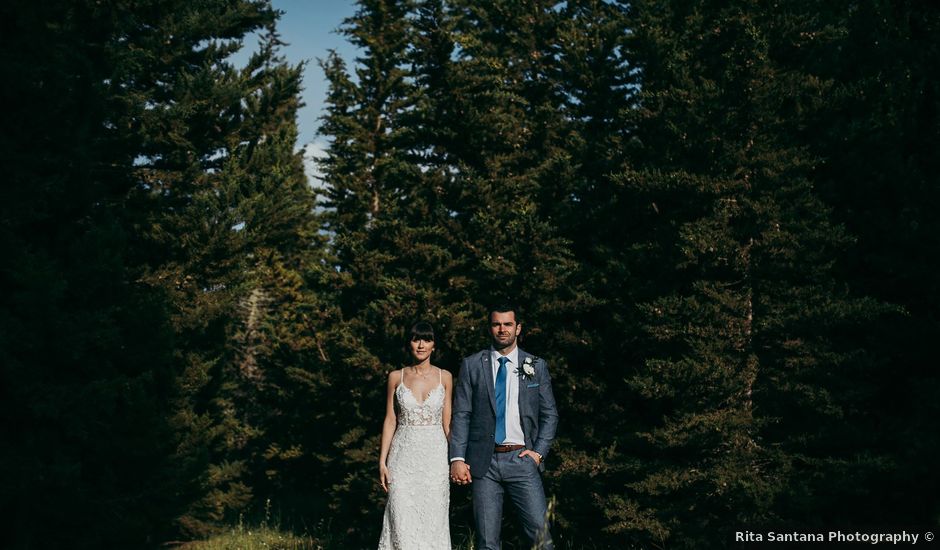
[{"x": 413, "y": 396}]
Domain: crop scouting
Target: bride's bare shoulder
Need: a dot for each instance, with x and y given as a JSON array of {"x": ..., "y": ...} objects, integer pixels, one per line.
[{"x": 394, "y": 376}]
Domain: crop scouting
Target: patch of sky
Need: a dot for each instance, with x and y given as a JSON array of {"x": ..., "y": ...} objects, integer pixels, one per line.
[
  {"x": 309, "y": 30},
  {"x": 146, "y": 160},
  {"x": 218, "y": 154}
]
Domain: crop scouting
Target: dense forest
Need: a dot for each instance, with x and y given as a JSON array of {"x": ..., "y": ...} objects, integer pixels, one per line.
[{"x": 719, "y": 218}]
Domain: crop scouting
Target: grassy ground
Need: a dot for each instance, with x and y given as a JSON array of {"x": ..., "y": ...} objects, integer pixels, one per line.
[
  {"x": 269, "y": 536},
  {"x": 255, "y": 538}
]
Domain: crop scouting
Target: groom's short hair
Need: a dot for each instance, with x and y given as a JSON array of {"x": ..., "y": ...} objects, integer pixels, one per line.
[{"x": 505, "y": 307}]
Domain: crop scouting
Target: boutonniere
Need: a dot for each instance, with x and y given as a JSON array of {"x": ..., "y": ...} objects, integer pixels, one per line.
[{"x": 527, "y": 370}]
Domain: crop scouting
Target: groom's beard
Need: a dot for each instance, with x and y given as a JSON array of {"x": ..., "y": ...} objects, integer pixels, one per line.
[{"x": 503, "y": 344}]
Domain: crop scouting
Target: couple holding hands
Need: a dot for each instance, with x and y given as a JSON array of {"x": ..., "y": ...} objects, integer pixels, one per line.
[{"x": 494, "y": 435}]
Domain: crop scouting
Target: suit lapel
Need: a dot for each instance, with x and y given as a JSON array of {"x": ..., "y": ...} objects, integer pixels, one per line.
[
  {"x": 523, "y": 402},
  {"x": 488, "y": 379}
]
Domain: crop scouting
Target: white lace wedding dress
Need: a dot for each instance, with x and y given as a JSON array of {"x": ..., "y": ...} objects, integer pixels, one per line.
[{"x": 416, "y": 515}]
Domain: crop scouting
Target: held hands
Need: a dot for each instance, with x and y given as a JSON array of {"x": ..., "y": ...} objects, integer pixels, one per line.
[
  {"x": 384, "y": 478},
  {"x": 460, "y": 472}
]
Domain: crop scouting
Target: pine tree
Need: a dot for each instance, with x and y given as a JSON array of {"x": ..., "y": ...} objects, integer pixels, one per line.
[
  {"x": 600, "y": 340},
  {"x": 879, "y": 138},
  {"x": 273, "y": 340},
  {"x": 136, "y": 212},
  {"x": 744, "y": 365},
  {"x": 233, "y": 200},
  {"x": 367, "y": 177},
  {"x": 504, "y": 104}
]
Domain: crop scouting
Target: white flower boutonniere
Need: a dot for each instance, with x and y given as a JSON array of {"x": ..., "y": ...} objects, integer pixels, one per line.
[{"x": 527, "y": 370}]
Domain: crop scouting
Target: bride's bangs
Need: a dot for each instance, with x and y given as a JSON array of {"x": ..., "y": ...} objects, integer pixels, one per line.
[{"x": 422, "y": 330}]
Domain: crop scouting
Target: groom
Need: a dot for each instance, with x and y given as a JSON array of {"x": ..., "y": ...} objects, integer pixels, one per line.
[{"x": 503, "y": 423}]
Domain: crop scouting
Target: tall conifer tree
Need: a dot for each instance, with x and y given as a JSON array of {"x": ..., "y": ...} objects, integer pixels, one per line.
[
  {"x": 601, "y": 339},
  {"x": 745, "y": 367},
  {"x": 148, "y": 181},
  {"x": 367, "y": 180},
  {"x": 85, "y": 357},
  {"x": 879, "y": 137}
]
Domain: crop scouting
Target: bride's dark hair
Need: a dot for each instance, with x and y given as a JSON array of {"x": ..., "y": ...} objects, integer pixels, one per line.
[{"x": 422, "y": 330}]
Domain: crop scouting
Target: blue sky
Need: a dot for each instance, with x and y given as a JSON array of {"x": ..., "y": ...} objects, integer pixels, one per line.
[{"x": 309, "y": 27}]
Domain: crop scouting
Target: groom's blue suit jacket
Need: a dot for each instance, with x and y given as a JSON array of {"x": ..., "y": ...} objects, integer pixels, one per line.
[{"x": 473, "y": 422}]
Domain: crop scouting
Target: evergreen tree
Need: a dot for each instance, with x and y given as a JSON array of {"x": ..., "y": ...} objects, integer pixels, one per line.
[
  {"x": 745, "y": 367},
  {"x": 274, "y": 337},
  {"x": 879, "y": 138},
  {"x": 366, "y": 178},
  {"x": 485, "y": 134},
  {"x": 233, "y": 201},
  {"x": 592, "y": 211},
  {"x": 145, "y": 185},
  {"x": 644, "y": 177}
]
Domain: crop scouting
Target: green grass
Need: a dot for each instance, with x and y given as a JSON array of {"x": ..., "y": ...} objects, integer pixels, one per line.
[
  {"x": 242, "y": 537},
  {"x": 266, "y": 536},
  {"x": 270, "y": 536}
]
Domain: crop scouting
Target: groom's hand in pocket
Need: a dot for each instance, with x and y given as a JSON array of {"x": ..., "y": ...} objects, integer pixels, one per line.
[
  {"x": 537, "y": 458},
  {"x": 460, "y": 472}
]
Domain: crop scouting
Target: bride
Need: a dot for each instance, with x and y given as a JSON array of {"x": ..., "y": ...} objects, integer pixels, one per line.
[{"x": 413, "y": 466}]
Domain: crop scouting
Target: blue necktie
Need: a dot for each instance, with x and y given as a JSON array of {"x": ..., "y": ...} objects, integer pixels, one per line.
[{"x": 501, "y": 400}]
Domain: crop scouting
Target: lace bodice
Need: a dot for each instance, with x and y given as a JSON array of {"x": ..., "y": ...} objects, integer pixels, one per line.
[{"x": 414, "y": 413}]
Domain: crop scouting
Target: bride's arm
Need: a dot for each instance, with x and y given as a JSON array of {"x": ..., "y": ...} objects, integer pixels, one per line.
[
  {"x": 448, "y": 392},
  {"x": 388, "y": 429}
]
